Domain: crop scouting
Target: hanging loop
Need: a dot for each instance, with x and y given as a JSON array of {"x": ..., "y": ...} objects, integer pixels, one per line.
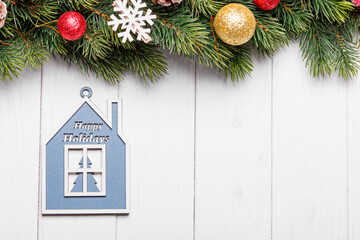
[{"x": 86, "y": 92}]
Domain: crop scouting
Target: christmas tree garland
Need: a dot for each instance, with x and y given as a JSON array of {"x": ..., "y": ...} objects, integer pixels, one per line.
[{"x": 110, "y": 39}]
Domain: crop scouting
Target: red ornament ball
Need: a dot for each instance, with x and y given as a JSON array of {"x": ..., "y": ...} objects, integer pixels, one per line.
[
  {"x": 71, "y": 25},
  {"x": 266, "y": 5},
  {"x": 356, "y": 3}
]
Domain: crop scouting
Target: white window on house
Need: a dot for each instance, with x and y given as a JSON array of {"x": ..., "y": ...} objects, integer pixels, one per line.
[{"x": 85, "y": 170}]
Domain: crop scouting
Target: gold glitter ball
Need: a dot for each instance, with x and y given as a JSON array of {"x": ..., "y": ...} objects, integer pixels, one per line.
[{"x": 234, "y": 24}]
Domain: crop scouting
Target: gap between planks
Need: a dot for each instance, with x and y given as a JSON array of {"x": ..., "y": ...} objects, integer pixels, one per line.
[{"x": 194, "y": 193}]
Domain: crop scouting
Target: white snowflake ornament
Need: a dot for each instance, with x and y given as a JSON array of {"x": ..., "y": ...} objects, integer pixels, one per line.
[{"x": 132, "y": 20}]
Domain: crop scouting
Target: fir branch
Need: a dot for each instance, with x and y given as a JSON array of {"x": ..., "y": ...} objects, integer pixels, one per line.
[
  {"x": 78, "y": 5},
  {"x": 331, "y": 10},
  {"x": 32, "y": 53},
  {"x": 188, "y": 36},
  {"x": 318, "y": 49},
  {"x": 241, "y": 65},
  {"x": 110, "y": 69},
  {"x": 294, "y": 17},
  {"x": 10, "y": 62},
  {"x": 9, "y": 29},
  {"x": 146, "y": 61},
  {"x": 32, "y": 12},
  {"x": 347, "y": 55},
  {"x": 269, "y": 36},
  {"x": 206, "y": 8},
  {"x": 95, "y": 46},
  {"x": 347, "y": 58}
]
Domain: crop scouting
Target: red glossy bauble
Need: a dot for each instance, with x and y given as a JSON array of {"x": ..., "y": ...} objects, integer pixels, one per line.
[
  {"x": 356, "y": 3},
  {"x": 71, "y": 25},
  {"x": 266, "y": 5}
]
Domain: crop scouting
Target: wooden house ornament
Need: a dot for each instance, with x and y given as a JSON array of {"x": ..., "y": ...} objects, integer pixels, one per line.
[{"x": 85, "y": 164}]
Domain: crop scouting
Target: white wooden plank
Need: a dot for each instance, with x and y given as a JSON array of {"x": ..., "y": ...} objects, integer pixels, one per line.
[
  {"x": 309, "y": 152},
  {"x": 19, "y": 155},
  {"x": 158, "y": 122},
  {"x": 61, "y": 98},
  {"x": 233, "y": 155},
  {"x": 354, "y": 157}
]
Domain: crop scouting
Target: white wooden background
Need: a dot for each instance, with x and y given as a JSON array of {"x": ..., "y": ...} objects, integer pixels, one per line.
[{"x": 274, "y": 157}]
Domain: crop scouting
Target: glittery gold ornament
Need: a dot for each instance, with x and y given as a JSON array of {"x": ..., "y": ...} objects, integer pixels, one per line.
[{"x": 234, "y": 24}]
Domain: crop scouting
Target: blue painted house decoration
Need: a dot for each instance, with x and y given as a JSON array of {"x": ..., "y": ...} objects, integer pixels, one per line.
[{"x": 85, "y": 167}]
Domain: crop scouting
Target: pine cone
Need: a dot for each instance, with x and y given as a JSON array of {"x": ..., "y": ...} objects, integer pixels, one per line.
[
  {"x": 167, "y": 3},
  {"x": 3, "y": 13}
]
